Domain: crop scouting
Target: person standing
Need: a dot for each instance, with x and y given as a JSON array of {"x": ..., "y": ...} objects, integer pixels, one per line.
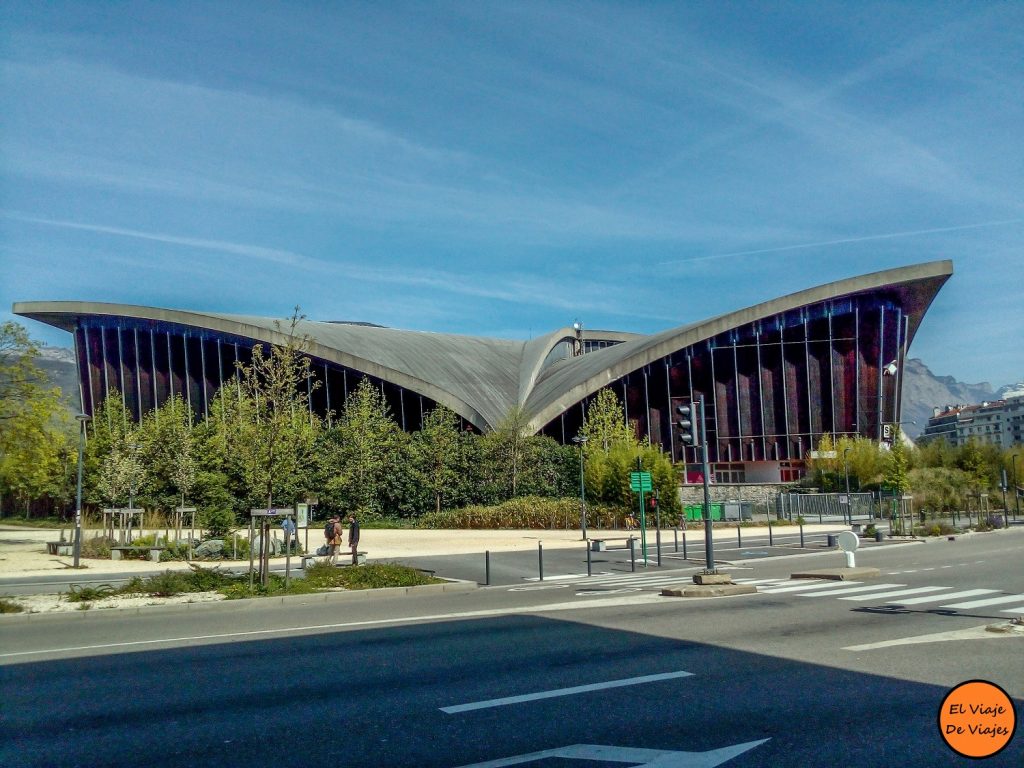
[
  {"x": 332, "y": 532},
  {"x": 353, "y": 538}
]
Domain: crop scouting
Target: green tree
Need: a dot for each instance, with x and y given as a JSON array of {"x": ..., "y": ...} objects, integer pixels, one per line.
[
  {"x": 605, "y": 424},
  {"x": 437, "y": 452},
  {"x": 898, "y": 465},
  {"x": 275, "y": 430},
  {"x": 361, "y": 452}
]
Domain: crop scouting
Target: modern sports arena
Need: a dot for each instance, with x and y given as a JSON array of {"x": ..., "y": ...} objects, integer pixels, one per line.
[{"x": 775, "y": 377}]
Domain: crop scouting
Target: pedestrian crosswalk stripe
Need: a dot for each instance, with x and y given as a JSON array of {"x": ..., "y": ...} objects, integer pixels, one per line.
[
  {"x": 852, "y": 590},
  {"x": 945, "y": 596},
  {"x": 808, "y": 586},
  {"x": 1019, "y": 609},
  {"x": 897, "y": 593},
  {"x": 768, "y": 581},
  {"x": 983, "y": 603}
]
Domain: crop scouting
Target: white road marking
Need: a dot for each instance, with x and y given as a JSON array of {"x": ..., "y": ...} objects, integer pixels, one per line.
[
  {"x": 974, "y": 633},
  {"x": 1013, "y": 610},
  {"x": 852, "y": 590},
  {"x": 896, "y": 593},
  {"x": 612, "y": 602},
  {"x": 808, "y": 586},
  {"x": 984, "y": 603},
  {"x": 947, "y": 596},
  {"x": 635, "y": 756},
  {"x": 454, "y": 709}
]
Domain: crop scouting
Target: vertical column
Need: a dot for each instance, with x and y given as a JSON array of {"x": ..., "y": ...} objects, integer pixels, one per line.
[
  {"x": 401, "y": 401},
  {"x": 807, "y": 378},
  {"x": 785, "y": 388},
  {"x": 832, "y": 368},
  {"x": 671, "y": 417},
  {"x": 188, "y": 377},
  {"x": 647, "y": 407},
  {"x": 88, "y": 364},
  {"x": 202, "y": 363},
  {"x": 856, "y": 367},
  {"x": 327, "y": 393},
  {"x": 170, "y": 366},
  {"x": 881, "y": 370},
  {"x": 760, "y": 388},
  {"x": 138, "y": 373},
  {"x": 153, "y": 374},
  {"x": 736, "y": 391},
  {"x": 121, "y": 379}
]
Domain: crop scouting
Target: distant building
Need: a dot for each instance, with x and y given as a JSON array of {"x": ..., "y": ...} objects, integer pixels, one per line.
[
  {"x": 999, "y": 422},
  {"x": 775, "y": 377}
]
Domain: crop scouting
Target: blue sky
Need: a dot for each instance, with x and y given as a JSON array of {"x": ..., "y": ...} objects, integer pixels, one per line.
[{"x": 503, "y": 169}]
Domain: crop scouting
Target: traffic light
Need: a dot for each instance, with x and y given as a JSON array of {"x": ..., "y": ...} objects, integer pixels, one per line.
[
  {"x": 687, "y": 424},
  {"x": 653, "y": 503}
]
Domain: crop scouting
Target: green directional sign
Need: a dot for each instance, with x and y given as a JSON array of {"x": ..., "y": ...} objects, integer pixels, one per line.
[{"x": 640, "y": 481}]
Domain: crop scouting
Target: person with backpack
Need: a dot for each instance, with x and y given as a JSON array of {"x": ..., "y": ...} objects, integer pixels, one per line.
[{"x": 332, "y": 533}]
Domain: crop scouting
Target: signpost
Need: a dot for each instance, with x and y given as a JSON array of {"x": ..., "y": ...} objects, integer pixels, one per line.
[{"x": 640, "y": 482}]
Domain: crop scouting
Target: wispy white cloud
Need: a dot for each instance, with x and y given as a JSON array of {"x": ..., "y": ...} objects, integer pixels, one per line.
[{"x": 845, "y": 241}]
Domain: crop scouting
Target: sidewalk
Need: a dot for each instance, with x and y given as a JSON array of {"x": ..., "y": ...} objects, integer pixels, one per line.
[{"x": 23, "y": 550}]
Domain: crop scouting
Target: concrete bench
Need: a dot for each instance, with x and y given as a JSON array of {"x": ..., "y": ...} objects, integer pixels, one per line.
[
  {"x": 60, "y": 547},
  {"x": 344, "y": 557},
  {"x": 116, "y": 552},
  {"x": 601, "y": 545}
]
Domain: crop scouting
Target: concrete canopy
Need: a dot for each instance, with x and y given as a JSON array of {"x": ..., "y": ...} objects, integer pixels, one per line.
[{"x": 483, "y": 379}]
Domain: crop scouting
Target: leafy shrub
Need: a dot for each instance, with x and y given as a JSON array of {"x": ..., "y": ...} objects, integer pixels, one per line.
[
  {"x": 531, "y": 512},
  {"x": 79, "y": 594},
  {"x": 382, "y": 575},
  {"x": 98, "y": 547},
  {"x": 9, "y": 606},
  {"x": 217, "y": 521}
]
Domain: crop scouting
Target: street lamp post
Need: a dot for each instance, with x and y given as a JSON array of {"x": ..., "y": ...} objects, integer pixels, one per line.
[
  {"x": 846, "y": 468},
  {"x": 1016, "y": 493},
  {"x": 82, "y": 419},
  {"x": 581, "y": 441},
  {"x": 134, "y": 448}
]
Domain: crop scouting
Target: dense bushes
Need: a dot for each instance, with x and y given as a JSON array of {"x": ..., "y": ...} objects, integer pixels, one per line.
[{"x": 531, "y": 512}]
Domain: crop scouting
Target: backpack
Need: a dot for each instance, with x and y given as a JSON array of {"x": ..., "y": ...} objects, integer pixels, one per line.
[{"x": 329, "y": 530}]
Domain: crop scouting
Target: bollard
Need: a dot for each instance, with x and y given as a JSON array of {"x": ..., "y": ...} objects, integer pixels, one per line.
[
  {"x": 540, "y": 560},
  {"x": 831, "y": 540},
  {"x": 684, "y": 545},
  {"x": 632, "y": 554},
  {"x": 739, "y": 537},
  {"x": 657, "y": 543},
  {"x": 771, "y": 542},
  {"x": 487, "y": 568},
  {"x": 675, "y": 535},
  {"x": 588, "y": 558},
  {"x": 801, "y": 535}
]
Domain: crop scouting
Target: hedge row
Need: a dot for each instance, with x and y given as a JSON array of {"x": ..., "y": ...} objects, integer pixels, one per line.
[{"x": 527, "y": 512}]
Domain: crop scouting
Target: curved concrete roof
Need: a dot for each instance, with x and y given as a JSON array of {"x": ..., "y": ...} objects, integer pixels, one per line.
[{"x": 482, "y": 378}]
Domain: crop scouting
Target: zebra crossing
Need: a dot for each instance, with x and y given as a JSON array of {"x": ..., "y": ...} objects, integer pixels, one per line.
[
  {"x": 944, "y": 597},
  {"x": 888, "y": 593}
]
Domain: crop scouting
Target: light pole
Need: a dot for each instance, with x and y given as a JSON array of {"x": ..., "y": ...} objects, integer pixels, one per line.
[
  {"x": 846, "y": 468},
  {"x": 134, "y": 448},
  {"x": 581, "y": 441},
  {"x": 82, "y": 419},
  {"x": 1016, "y": 493}
]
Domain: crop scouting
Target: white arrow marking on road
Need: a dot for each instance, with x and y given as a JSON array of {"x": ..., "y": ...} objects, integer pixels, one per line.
[
  {"x": 564, "y": 692},
  {"x": 652, "y": 758},
  {"x": 973, "y": 633}
]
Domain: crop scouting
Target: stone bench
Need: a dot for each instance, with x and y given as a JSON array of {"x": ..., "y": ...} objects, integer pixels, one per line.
[
  {"x": 116, "y": 552},
  {"x": 601, "y": 545},
  {"x": 344, "y": 557}
]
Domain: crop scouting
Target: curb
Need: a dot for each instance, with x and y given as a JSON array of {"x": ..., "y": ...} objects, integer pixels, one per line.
[{"x": 340, "y": 596}]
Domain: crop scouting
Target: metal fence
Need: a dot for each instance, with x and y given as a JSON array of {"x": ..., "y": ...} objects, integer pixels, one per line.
[{"x": 825, "y": 507}]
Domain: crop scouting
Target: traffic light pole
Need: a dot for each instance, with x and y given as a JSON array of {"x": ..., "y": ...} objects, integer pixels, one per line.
[{"x": 709, "y": 544}]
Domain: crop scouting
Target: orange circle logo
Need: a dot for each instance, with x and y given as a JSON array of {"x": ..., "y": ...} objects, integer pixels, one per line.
[{"x": 977, "y": 719}]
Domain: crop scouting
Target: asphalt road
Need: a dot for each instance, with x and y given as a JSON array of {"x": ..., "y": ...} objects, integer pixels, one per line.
[{"x": 794, "y": 677}]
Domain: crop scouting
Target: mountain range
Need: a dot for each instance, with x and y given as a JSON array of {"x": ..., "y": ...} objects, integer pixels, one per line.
[{"x": 922, "y": 390}]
